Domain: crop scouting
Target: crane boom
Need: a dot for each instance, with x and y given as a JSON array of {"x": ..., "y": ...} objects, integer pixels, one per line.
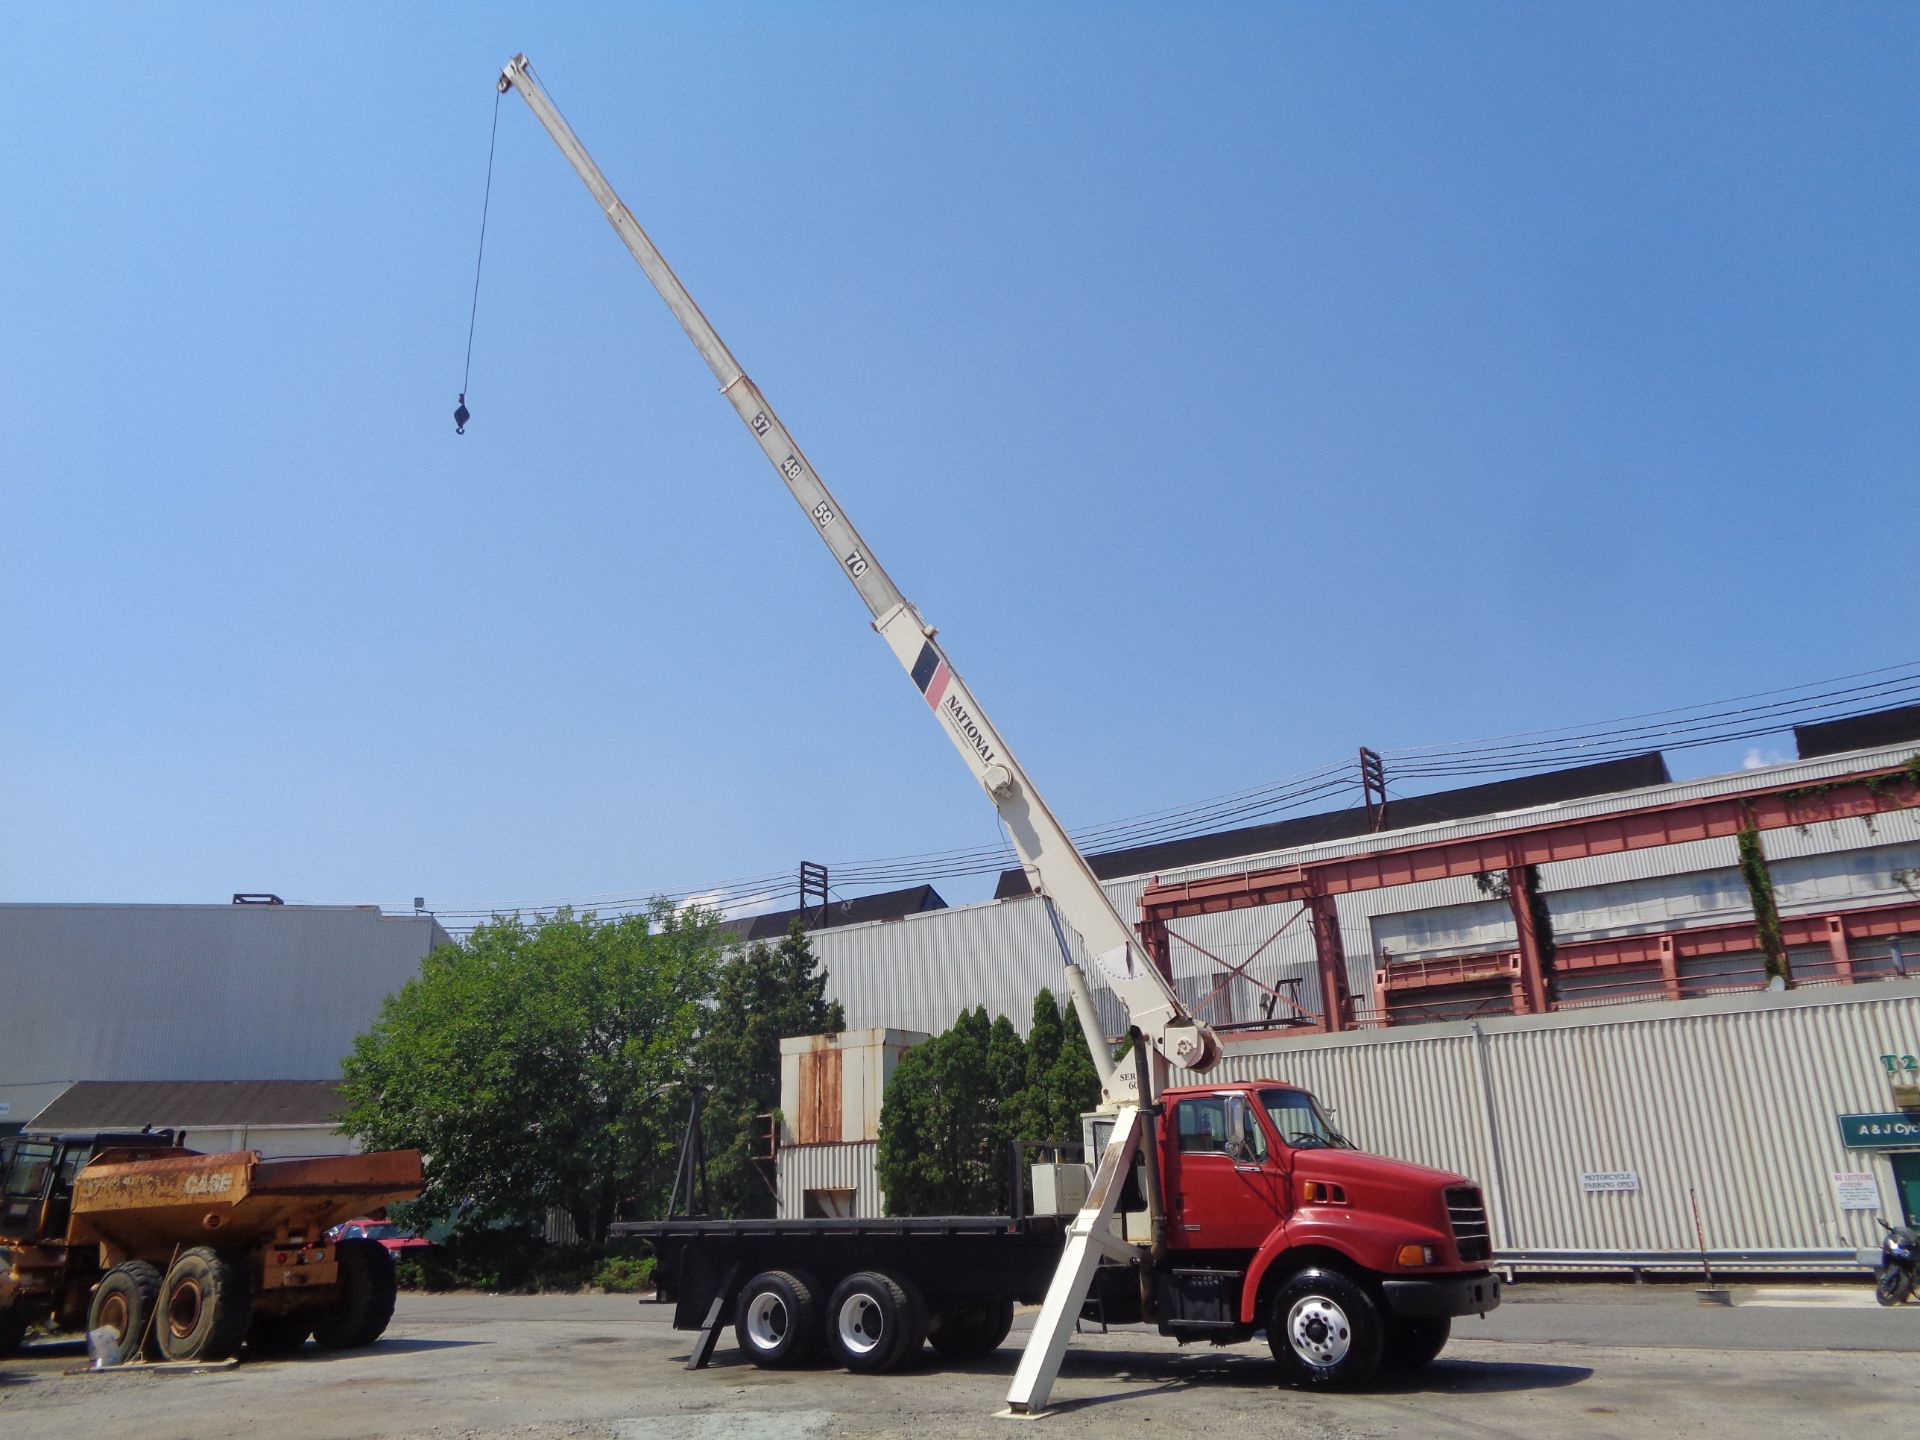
[{"x": 1055, "y": 868}]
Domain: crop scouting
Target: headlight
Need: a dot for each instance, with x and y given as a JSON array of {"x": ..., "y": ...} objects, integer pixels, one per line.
[{"x": 1414, "y": 1255}]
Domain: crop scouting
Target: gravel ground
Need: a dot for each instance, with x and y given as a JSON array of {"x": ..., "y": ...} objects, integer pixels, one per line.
[{"x": 1602, "y": 1360}]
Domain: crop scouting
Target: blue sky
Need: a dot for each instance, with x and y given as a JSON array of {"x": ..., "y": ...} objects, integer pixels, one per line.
[{"x": 1232, "y": 384}]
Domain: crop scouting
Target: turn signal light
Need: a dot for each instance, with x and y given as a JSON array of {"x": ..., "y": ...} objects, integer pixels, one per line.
[{"x": 1415, "y": 1255}]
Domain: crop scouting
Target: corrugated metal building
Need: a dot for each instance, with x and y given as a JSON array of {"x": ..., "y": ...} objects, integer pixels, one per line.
[
  {"x": 919, "y": 972},
  {"x": 1734, "y": 1100},
  {"x": 1733, "y": 1097},
  {"x": 191, "y": 992}
]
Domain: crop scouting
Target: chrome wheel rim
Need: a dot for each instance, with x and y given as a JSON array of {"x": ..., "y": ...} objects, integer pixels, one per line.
[
  {"x": 862, "y": 1326},
  {"x": 767, "y": 1320},
  {"x": 1319, "y": 1331}
]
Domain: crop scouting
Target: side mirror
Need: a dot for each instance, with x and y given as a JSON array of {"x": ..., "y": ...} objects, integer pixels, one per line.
[{"x": 1240, "y": 1139}]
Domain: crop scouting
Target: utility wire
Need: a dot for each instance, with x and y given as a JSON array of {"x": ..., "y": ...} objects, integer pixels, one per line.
[{"x": 1685, "y": 727}]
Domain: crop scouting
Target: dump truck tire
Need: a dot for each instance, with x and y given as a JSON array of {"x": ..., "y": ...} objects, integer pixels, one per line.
[
  {"x": 278, "y": 1336},
  {"x": 13, "y": 1330},
  {"x": 124, "y": 1302},
  {"x": 206, "y": 1305},
  {"x": 968, "y": 1329},
  {"x": 777, "y": 1319},
  {"x": 367, "y": 1291},
  {"x": 875, "y": 1321}
]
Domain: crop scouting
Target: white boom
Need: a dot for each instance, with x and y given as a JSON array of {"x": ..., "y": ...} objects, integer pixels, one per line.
[{"x": 1055, "y": 868}]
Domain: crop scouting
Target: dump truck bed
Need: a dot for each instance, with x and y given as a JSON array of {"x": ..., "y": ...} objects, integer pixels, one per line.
[{"x": 138, "y": 1207}]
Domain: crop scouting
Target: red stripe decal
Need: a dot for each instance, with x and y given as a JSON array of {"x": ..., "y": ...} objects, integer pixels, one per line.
[{"x": 937, "y": 686}]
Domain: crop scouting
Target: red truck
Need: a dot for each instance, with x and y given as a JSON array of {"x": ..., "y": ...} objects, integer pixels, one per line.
[{"x": 1273, "y": 1222}]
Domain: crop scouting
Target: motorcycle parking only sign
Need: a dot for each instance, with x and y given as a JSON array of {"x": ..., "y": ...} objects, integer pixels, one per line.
[{"x": 1856, "y": 1190}]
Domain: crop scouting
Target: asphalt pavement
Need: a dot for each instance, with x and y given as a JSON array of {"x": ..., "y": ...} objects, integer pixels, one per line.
[{"x": 1597, "y": 1360}]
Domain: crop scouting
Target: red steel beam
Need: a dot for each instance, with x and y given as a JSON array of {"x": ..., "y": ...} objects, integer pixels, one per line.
[
  {"x": 1663, "y": 948},
  {"x": 1869, "y": 792}
]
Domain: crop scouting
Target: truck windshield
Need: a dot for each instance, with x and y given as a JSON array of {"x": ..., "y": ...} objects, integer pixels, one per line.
[{"x": 1299, "y": 1120}]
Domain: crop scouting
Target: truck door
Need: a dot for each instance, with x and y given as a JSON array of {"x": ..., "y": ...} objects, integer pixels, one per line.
[{"x": 1224, "y": 1191}]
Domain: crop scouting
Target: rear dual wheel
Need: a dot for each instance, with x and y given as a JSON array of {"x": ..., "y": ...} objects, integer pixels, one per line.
[
  {"x": 777, "y": 1319},
  {"x": 275, "y": 1337},
  {"x": 205, "y": 1306},
  {"x": 368, "y": 1288},
  {"x": 876, "y": 1321},
  {"x": 968, "y": 1329}
]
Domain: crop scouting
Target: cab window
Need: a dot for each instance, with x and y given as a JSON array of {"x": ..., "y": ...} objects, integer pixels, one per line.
[
  {"x": 27, "y": 1176},
  {"x": 1219, "y": 1124},
  {"x": 1202, "y": 1124}
]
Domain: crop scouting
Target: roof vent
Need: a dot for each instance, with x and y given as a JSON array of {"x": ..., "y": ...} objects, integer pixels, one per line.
[{"x": 259, "y": 899}]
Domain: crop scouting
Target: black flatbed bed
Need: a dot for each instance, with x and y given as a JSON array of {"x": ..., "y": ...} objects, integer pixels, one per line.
[
  {"x": 868, "y": 1227},
  {"x": 701, "y": 1265}
]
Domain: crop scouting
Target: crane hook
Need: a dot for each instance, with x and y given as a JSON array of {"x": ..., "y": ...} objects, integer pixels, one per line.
[{"x": 461, "y": 415}]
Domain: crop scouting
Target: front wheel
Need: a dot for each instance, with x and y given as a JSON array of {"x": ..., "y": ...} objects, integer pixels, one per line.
[
  {"x": 1893, "y": 1286},
  {"x": 1413, "y": 1343},
  {"x": 123, "y": 1305},
  {"x": 1325, "y": 1331},
  {"x": 13, "y": 1330}
]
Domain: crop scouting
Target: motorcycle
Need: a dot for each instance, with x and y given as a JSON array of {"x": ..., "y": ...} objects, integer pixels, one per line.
[{"x": 1893, "y": 1275}]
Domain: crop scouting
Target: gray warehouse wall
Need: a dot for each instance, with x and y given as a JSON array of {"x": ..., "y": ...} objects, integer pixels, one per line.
[{"x": 191, "y": 992}]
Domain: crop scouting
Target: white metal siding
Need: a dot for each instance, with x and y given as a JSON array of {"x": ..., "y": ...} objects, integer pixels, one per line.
[
  {"x": 1734, "y": 1099},
  {"x": 828, "y": 1167}
]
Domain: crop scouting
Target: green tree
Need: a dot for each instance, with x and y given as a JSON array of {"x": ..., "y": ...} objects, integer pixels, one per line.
[
  {"x": 938, "y": 1122},
  {"x": 956, "y": 1102},
  {"x": 1061, "y": 1083},
  {"x": 531, "y": 1063},
  {"x": 765, "y": 994}
]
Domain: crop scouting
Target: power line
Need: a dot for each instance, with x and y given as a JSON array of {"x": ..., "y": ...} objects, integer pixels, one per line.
[{"x": 1677, "y": 728}]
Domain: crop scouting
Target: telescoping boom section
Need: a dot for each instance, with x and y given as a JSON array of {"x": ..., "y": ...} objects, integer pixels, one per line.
[
  {"x": 1058, "y": 870},
  {"x": 876, "y": 1295}
]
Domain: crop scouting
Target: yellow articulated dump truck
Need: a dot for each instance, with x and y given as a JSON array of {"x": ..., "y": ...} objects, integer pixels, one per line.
[{"x": 184, "y": 1256}]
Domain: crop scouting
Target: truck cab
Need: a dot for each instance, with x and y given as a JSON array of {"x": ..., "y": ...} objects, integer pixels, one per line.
[
  {"x": 38, "y": 1279},
  {"x": 1275, "y": 1221}
]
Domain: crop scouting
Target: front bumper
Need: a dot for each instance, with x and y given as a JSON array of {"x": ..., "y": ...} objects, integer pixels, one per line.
[{"x": 1471, "y": 1294}]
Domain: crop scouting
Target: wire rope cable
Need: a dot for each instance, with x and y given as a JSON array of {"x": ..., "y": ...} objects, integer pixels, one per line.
[{"x": 461, "y": 414}]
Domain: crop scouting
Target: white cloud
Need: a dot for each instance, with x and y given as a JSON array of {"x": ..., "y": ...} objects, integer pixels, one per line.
[{"x": 1759, "y": 759}]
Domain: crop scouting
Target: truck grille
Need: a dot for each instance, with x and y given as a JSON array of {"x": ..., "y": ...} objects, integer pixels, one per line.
[{"x": 1469, "y": 1218}]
